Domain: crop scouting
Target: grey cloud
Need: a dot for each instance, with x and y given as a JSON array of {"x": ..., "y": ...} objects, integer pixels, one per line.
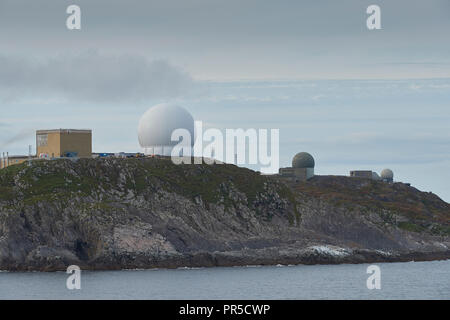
[
  {"x": 91, "y": 76},
  {"x": 377, "y": 148},
  {"x": 363, "y": 138},
  {"x": 236, "y": 39},
  {"x": 251, "y": 16}
]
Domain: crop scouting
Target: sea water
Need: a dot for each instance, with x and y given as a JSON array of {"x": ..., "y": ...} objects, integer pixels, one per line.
[{"x": 409, "y": 280}]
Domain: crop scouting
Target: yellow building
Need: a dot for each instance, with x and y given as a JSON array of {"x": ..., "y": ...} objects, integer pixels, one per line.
[{"x": 64, "y": 143}]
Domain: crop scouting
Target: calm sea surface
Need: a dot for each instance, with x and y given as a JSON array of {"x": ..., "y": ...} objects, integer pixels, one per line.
[{"x": 411, "y": 280}]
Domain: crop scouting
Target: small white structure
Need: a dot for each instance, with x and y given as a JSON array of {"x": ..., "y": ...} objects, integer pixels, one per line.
[
  {"x": 156, "y": 127},
  {"x": 387, "y": 175}
]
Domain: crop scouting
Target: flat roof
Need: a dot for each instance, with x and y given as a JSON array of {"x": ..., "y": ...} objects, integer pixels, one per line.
[{"x": 64, "y": 131}]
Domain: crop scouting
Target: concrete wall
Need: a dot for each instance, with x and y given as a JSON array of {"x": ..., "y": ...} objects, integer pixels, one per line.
[
  {"x": 309, "y": 173},
  {"x": 361, "y": 174},
  {"x": 300, "y": 174},
  {"x": 11, "y": 161},
  {"x": 53, "y": 147},
  {"x": 77, "y": 142},
  {"x": 286, "y": 172}
]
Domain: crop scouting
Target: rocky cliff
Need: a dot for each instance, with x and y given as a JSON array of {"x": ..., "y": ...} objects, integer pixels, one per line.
[{"x": 145, "y": 213}]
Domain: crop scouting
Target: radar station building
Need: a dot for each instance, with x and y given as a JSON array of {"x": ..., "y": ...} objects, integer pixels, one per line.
[
  {"x": 302, "y": 168},
  {"x": 64, "y": 143},
  {"x": 386, "y": 175},
  {"x": 361, "y": 174}
]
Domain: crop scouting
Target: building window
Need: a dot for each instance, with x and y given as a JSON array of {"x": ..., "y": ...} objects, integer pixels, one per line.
[{"x": 42, "y": 140}]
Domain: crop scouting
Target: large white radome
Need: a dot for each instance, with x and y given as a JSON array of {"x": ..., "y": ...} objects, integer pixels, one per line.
[{"x": 157, "y": 124}]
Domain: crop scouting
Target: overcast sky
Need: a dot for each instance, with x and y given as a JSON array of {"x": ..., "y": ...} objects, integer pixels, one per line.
[
  {"x": 354, "y": 98},
  {"x": 235, "y": 39}
]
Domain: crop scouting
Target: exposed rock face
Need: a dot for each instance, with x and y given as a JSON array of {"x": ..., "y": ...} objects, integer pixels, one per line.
[{"x": 144, "y": 213}]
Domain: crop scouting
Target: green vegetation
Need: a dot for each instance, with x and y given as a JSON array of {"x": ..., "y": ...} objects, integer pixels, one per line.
[
  {"x": 386, "y": 199},
  {"x": 6, "y": 193},
  {"x": 229, "y": 185},
  {"x": 409, "y": 226},
  {"x": 287, "y": 193},
  {"x": 213, "y": 183},
  {"x": 442, "y": 230}
]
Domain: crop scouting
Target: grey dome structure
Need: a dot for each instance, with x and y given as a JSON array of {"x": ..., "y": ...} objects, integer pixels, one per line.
[
  {"x": 302, "y": 168},
  {"x": 387, "y": 175},
  {"x": 303, "y": 160}
]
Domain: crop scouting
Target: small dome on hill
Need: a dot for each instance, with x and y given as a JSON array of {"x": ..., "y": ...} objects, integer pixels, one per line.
[
  {"x": 303, "y": 160},
  {"x": 387, "y": 174}
]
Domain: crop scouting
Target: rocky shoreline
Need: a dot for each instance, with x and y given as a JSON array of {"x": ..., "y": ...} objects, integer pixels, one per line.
[{"x": 208, "y": 260}]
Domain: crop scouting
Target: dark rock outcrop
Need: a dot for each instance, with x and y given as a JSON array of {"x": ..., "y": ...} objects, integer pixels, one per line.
[{"x": 145, "y": 213}]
